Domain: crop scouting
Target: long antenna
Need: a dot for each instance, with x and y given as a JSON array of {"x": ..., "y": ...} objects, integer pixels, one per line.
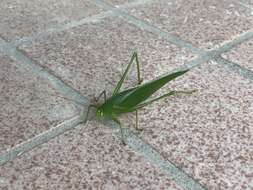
[{"x": 66, "y": 98}]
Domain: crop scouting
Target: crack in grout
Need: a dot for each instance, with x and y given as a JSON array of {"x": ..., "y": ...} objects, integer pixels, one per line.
[{"x": 136, "y": 143}]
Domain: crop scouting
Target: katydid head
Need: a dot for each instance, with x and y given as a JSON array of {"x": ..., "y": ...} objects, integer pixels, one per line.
[{"x": 100, "y": 112}]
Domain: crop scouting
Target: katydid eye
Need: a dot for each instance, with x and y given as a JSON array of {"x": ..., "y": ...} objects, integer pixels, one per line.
[{"x": 100, "y": 112}]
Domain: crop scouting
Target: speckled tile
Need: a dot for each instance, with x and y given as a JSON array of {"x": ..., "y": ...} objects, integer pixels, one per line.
[
  {"x": 209, "y": 135},
  {"x": 242, "y": 55},
  {"x": 26, "y": 108},
  {"x": 92, "y": 58},
  {"x": 84, "y": 158},
  {"x": 204, "y": 23},
  {"x": 23, "y": 18}
]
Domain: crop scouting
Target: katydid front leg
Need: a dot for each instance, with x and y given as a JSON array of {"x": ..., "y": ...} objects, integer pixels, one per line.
[
  {"x": 85, "y": 119},
  {"x": 102, "y": 93}
]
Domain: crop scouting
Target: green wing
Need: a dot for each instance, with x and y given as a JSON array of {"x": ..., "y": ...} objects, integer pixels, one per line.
[{"x": 142, "y": 92}]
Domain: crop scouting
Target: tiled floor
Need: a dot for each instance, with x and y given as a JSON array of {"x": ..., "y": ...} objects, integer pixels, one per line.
[{"x": 76, "y": 49}]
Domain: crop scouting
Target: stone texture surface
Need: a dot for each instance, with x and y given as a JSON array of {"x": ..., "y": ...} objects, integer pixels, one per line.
[
  {"x": 204, "y": 23},
  {"x": 92, "y": 58},
  {"x": 23, "y": 18},
  {"x": 209, "y": 135},
  {"x": 26, "y": 106},
  {"x": 242, "y": 54},
  {"x": 84, "y": 158}
]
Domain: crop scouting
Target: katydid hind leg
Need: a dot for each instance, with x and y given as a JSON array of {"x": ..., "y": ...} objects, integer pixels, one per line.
[
  {"x": 163, "y": 96},
  {"x": 119, "y": 84},
  {"x": 121, "y": 130}
]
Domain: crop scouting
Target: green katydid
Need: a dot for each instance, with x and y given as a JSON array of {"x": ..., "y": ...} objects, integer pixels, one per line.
[{"x": 131, "y": 100}]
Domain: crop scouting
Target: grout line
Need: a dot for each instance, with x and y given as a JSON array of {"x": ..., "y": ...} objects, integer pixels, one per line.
[
  {"x": 246, "y": 5},
  {"x": 171, "y": 38},
  {"x": 27, "y": 64},
  {"x": 179, "y": 176},
  {"x": 65, "y": 26},
  {"x": 38, "y": 140},
  {"x": 136, "y": 143},
  {"x": 246, "y": 73},
  {"x": 225, "y": 47},
  {"x": 154, "y": 157},
  {"x": 207, "y": 55},
  {"x": 148, "y": 27}
]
